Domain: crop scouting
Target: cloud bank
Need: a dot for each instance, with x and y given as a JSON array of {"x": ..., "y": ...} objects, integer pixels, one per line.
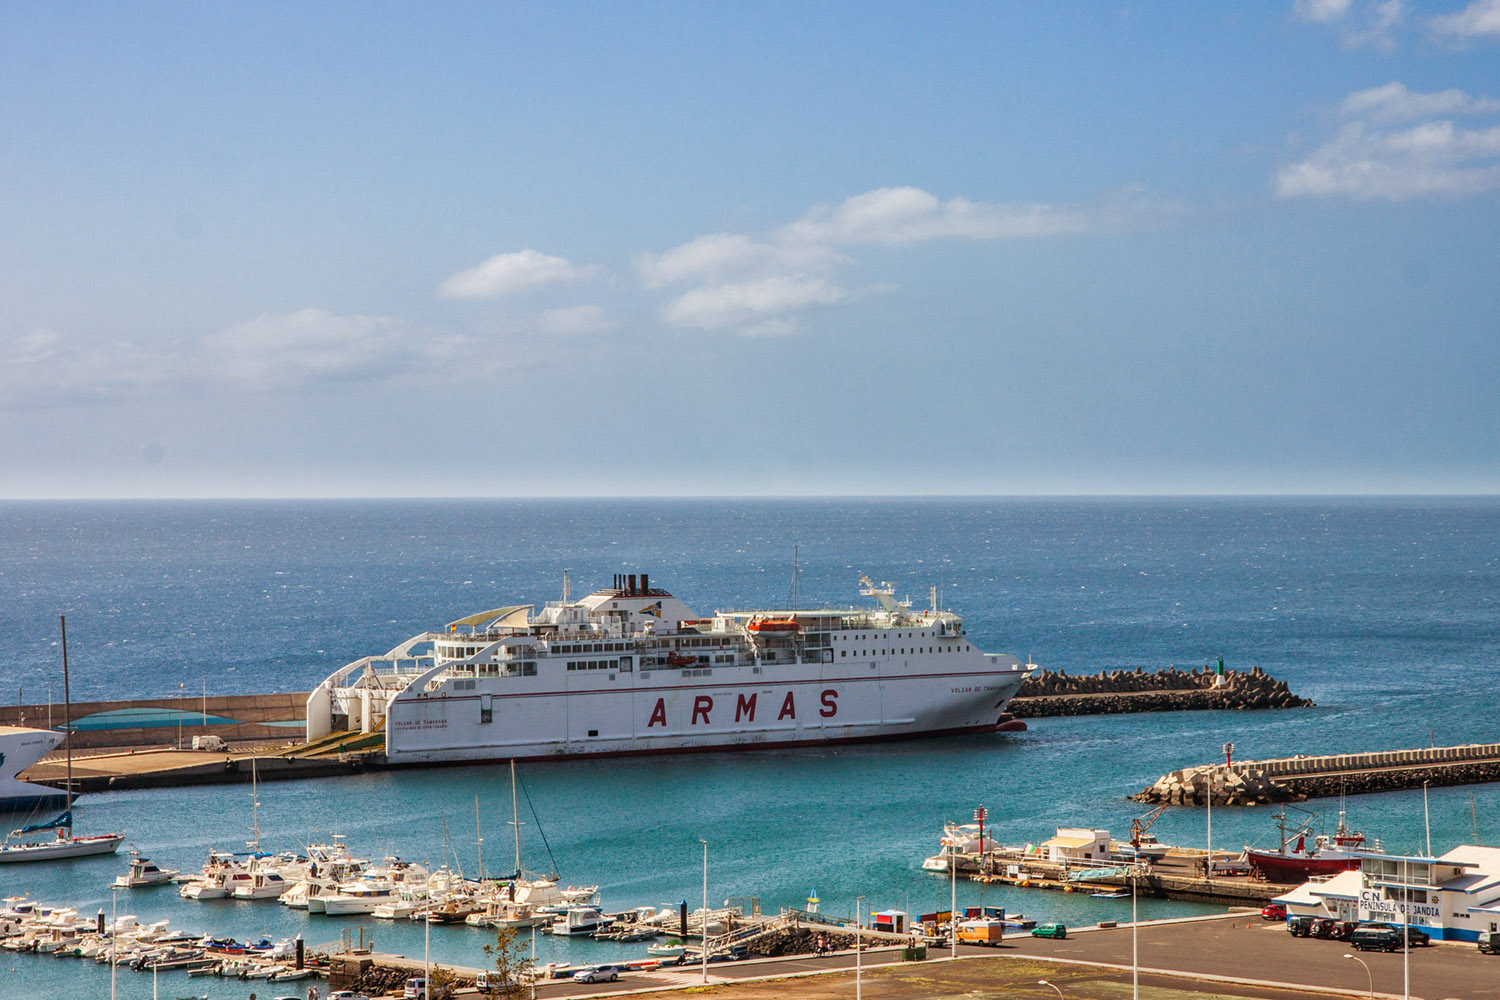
[{"x": 759, "y": 285}]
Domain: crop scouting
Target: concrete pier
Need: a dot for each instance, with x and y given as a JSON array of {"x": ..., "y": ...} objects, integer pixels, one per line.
[{"x": 1285, "y": 779}]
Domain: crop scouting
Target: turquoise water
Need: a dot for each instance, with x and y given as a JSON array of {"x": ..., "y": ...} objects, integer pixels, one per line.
[{"x": 1383, "y": 611}]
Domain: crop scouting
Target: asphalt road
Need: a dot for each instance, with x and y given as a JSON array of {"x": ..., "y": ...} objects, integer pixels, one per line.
[{"x": 1242, "y": 947}]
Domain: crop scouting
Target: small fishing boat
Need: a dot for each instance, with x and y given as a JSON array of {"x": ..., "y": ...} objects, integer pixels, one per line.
[{"x": 666, "y": 949}]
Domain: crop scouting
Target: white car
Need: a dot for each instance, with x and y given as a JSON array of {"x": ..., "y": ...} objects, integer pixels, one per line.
[
  {"x": 598, "y": 974},
  {"x": 346, "y": 995}
]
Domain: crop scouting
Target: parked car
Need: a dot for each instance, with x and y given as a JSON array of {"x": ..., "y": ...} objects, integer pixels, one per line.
[
  {"x": 1415, "y": 935},
  {"x": 1299, "y": 925},
  {"x": 346, "y": 995},
  {"x": 1343, "y": 930},
  {"x": 1322, "y": 927},
  {"x": 1489, "y": 942},
  {"x": 598, "y": 974},
  {"x": 1273, "y": 911},
  {"x": 416, "y": 989},
  {"x": 1057, "y": 931},
  {"x": 1375, "y": 937}
]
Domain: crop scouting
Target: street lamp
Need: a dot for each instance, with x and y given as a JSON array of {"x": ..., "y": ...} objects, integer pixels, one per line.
[
  {"x": 1043, "y": 982},
  {"x": 704, "y": 928},
  {"x": 1135, "y": 964},
  {"x": 858, "y": 967},
  {"x": 179, "y": 716},
  {"x": 1369, "y": 978},
  {"x": 953, "y": 888}
]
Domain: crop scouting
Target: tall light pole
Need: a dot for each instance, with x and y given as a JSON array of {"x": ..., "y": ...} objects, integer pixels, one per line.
[
  {"x": 858, "y": 966},
  {"x": 1135, "y": 963},
  {"x": 1369, "y": 978},
  {"x": 114, "y": 926},
  {"x": 704, "y": 927},
  {"x": 179, "y": 716},
  {"x": 953, "y": 890},
  {"x": 1406, "y": 927},
  {"x": 427, "y": 944},
  {"x": 1043, "y": 982}
]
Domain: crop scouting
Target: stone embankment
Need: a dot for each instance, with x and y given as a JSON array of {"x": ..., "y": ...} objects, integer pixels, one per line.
[
  {"x": 1256, "y": 782},
  {"x": 1171, "y": 690}
]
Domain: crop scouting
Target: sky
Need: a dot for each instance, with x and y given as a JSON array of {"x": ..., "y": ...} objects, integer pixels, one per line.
[{"x": 545, "y": 249}]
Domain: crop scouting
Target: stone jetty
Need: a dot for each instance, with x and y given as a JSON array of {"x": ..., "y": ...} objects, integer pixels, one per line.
[
  {"x": 1171, "y": 690},
  {"x": 1287, "y": 779}
]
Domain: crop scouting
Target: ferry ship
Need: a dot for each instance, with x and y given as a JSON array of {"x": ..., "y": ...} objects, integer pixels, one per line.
[
  {"x": 631, "y": 669},
  {"x": 19, "y": 749}
]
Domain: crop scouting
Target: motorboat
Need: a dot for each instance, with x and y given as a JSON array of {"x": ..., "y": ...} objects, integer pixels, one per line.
[
  {"x": 576, "y": 920},
  {"x": 144, "y": 872}
]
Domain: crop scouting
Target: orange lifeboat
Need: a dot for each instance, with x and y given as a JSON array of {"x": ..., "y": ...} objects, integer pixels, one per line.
[
  {"x": 774, "y": 625},
  {"x": 681, "y": 660}
]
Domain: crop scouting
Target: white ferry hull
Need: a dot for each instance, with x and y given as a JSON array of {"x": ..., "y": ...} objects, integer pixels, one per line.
[{"x": 445, "y": 730}]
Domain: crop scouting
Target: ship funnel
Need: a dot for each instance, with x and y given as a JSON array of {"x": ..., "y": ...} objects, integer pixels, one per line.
[{"x": 645, "y": 584}]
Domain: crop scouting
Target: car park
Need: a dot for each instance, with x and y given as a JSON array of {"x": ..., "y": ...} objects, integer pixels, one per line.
[
  {"x": 1057, "y": 931},
  {"x": 1299, "y": 925},
  {"x": 598, "y": 974},
  {"x": 1273, "y": 911}
]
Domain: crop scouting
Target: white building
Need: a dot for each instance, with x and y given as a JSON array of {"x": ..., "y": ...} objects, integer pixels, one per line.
[
  {"x": 1452, "y": 897},
  {"x": 1076, "y": 843}
]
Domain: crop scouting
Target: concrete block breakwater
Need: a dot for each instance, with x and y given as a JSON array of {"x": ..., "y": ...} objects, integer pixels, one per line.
[
  {"x": 1256, "y": 782},
  {"x": 1170, "y": 690}
]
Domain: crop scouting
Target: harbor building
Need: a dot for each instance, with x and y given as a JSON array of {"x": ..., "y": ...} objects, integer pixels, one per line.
[{"x": 1451, "y": 898}]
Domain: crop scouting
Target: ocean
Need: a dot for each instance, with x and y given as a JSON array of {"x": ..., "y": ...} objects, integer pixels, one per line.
[{"x": 1382, "y": 610}]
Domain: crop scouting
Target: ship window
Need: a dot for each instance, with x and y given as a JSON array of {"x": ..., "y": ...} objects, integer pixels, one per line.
[
  {"x": 528, "y": 668},
  {"x": 843, "y": 652}
]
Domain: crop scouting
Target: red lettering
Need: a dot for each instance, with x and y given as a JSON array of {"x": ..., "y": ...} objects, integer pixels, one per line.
[
  {"x": 830, "y": 704},
  {"x": 658, "y": 714},
  {"x": 702, "y": 705},
  {"x": 746, "y": 707},
  {"x": 788, "y": 708}
]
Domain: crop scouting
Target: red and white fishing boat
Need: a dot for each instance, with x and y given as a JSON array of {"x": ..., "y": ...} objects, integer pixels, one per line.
[{"x": 1297, "y": 861}]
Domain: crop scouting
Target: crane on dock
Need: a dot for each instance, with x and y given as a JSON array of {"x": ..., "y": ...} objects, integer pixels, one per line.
[{"x": 1139, "y": 828}]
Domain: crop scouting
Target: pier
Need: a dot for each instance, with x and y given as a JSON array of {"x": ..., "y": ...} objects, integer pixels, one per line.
[{"x": 1290, "y": 779}]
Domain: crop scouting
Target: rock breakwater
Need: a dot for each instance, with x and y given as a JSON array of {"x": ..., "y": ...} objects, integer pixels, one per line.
[{"x": 1114, "y": 692}]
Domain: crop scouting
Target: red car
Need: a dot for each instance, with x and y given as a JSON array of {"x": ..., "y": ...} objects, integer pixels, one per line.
[{"x": 1273, "y": 911}]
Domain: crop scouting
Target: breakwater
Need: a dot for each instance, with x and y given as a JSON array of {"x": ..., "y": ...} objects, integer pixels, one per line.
[
  {"x": 1288, "y": 779},
  {"x": 1171, "y": 690}
]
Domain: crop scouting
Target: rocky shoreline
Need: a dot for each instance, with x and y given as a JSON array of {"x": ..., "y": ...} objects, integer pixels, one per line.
[{"x": 1170, "y": 690}]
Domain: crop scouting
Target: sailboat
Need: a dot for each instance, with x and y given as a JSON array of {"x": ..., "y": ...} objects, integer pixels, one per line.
[{"x": 65, "y": 845}]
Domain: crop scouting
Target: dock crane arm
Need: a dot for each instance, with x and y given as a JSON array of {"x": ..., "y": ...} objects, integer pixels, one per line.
[{"x": 1138, "y": 828}]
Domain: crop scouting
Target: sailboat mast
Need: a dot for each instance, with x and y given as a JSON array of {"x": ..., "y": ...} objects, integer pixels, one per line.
[
  {"x": 478, "y": 838},
  {"x": 67, "y": 722},
  {"x": 515, "y": 816}
]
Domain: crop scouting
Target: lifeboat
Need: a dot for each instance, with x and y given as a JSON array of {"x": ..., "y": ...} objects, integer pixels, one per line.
[
  {"x": 681, "y": 660},
  {"x": 774, "y": 625}
]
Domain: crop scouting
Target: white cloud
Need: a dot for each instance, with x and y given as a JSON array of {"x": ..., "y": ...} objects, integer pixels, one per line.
[
  {"x": 1479, "y": 20},
  {"x": 1321, "y": 11},
  {"x": 750, "y": 303},
  {"x": 575, "y": 320},
  {"x": 1369, "y": 24},
  {"x": 911, "y": 215},
  {"x": 758, "y": 284},
  {"x": 721, "y": 255},
  {"x": 1432, "y": 159},
  {"x": 507, "y": 273},
  {"x": 44, "y": 367},
  {"x": 314, "y": 344},
  {"x": 1393, "y": 103}
]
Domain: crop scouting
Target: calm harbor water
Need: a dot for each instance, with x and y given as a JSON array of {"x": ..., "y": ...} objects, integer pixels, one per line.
[{"x": 1381, "y": 610}]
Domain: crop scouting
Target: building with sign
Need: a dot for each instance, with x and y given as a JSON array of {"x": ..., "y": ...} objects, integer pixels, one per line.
[{"x": 1452, "y": 897}]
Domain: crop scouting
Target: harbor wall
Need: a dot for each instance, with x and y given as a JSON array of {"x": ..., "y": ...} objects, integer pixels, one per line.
[
  {"x": 1255, "y": 782},
  {"x": 1170, "y": 690},
  {"x": 237, "y": 719}
]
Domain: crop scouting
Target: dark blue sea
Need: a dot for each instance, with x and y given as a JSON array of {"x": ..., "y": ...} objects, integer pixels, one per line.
[{"x": 1382, "y": 610}]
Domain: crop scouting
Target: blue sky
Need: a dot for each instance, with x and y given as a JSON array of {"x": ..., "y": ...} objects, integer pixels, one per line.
[{"x": 548, "y": 249}]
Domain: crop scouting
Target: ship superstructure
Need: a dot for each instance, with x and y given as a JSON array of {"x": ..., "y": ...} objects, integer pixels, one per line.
[{"x": 631, "y": 669}]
